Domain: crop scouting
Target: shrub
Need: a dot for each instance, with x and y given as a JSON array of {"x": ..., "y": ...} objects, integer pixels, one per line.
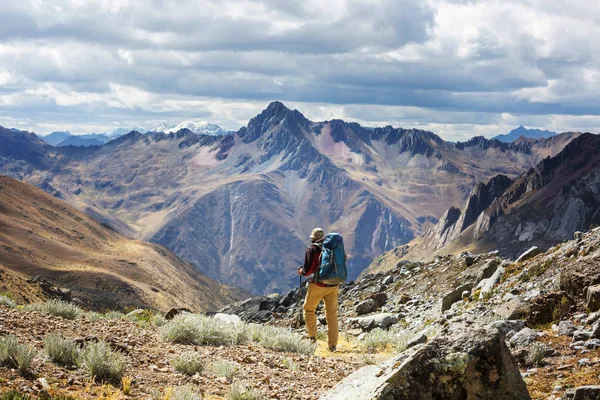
[
  {"x": 185, "y": 393},
  {"x": 57, "y": 308},
  {"x": 224, "y": 369},
  {"x": 378, "y": 339},
  {"x": 280, "y": 339},
  {"x": 16, "y": 355},
  {"x": 200, "y": 330},
  {"x": 93, "y": 316},
  {"x": 61, "y": 351},
  {"x": 289, "y": 364},
  {"x": 561, "y": 310},
  {"x": 101, "y": 362},
  {"x": 14, "y": 395},
  {"x": 189, "y": 362},
  {"x": 114, "y": 315},
  {"x": 143, "y": 317},
  {"x": 537, "y": 354},
  {"x": 126, "y": 384},
  {"x": 7, "y": 302},
  {"x": 242, "y": 391}
]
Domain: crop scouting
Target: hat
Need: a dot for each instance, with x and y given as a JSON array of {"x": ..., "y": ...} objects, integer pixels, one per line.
[{"x": 317, "y": 234}]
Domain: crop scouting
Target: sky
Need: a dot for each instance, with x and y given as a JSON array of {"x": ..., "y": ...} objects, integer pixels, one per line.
[{"x": 458, "y": 68}]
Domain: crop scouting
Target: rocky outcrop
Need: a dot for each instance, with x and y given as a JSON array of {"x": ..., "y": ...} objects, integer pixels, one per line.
[
  {"x": 464, "y": 364},
  {"x": 593, "y": 298}
]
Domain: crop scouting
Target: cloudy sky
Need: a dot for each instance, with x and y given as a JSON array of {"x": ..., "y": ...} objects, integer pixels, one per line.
[{"x": 459, "y": 68}]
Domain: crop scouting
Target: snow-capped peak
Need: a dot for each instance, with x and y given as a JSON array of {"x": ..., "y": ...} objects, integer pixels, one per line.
[{"x": 200, "y": 128}]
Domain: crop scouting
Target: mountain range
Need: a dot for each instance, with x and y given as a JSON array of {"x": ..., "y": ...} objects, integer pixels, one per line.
[
  {"x": 542, "y": 207},
  {"x": 240, "y": 206},
  {"x": 43, "y": 237},
  {"x": 521, "y": 131},
  {"x": 66, "y": 138}
]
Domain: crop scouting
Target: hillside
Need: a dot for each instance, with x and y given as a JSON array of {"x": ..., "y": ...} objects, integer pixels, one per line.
[
  {"x": 41, "y": 236},
  {"x": 240, "y": 206},
  {"x": 542, "y": 207}
]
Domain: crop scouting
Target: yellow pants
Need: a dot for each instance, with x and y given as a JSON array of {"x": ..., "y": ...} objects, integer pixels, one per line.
[{"x": 314, "y": 295}]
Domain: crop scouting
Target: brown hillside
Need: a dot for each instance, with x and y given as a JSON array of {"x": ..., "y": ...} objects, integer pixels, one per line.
[{"x": 43, "y": 236}]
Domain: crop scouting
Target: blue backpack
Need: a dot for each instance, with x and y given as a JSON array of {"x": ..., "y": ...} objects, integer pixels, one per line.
[{"x": 333, "y": 261}]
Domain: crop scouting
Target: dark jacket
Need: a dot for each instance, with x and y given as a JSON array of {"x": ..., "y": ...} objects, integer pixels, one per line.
[{"x": 312, "y": 259}]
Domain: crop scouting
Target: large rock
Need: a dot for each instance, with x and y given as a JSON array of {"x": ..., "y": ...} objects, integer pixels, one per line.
[
  {"x": 454, "y": 296},
  {"x": 176, "y": 311},
  {"x": 383, "y": 321},
  {"x": 365, "y": 307},
  {"x": 512, "y": 309},
  {"x": 596, "y": 331},
  {"x": 487, "y": 285},
  {"x": 566, "y": 328},
  {"x": 524, "y": 337},
  {"x": 592, "y": 298},
  {"x": 466, "y": 363},
  {"x": 549, "y": 307},
  {"x": 255, "y": 309},
  {"x": 532, "y": 252},
  {"x": 583, "y": 393},
  {"x": 488, "y": 269},
  {"x": 228, "y": 318}
]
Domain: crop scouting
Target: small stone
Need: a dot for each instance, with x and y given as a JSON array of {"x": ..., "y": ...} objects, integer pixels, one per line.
[
  {"x": 566, "y": 328},
  {"x": 579, "y": 335}
]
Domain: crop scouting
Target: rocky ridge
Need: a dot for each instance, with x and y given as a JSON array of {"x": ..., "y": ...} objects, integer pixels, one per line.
[
  {"x": 545, "y": 300},
  {"x": 210, "y": 199}
]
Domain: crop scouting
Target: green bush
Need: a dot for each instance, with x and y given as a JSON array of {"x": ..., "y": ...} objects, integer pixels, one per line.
[
  {"x": 14, "y": 395},
  {"x": 289, "y": 364},
  {"x": 7, "y": 302},
  {"x": 378, "y": 340},
  {"x": 281, "y": 339},
  {"x": 242, "y": 391},
  {"x": 101, "y": 362},
  {"x": 16, "y": 355},
  {"x": 186, "y": 393},
  {"x": 57, "y": 308},
  {"x": 114, "y": 315},
  {"x": 62, "y": 351},
  {"x": 189, "y": 362},
  {"x": 537, "y": 354},
  {"x": 224, "y": 369},
  {"x": 201, "y": 330}
]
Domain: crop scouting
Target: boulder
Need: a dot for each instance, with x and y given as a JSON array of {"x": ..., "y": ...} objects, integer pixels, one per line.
[
  {"x": 524, "y": 337},
  {"x": 419, "y": 339},
  {"x": 592, "y": 344},
  {"x": 566, "y": 328},
  {"x": 583, "y": 393},
  {"x": 469, "y": 260},
  {"x": 228, "y": 318},
  {"x": 176, "y": 311},
  {"x": 580, "y": 335},
  {"x": 488, "y": 269},
  {"x": 532, "y": 252},
  {"x": 512, "y": 309},
  {"x": 487, "y": 285},
  {"x": 383, "y": 321},
  {"x": 379, "y": 299},
  {"x": 454, "y": 296},
  {"x": 505, "y": 326},
  {"x": 592, "y": 298},
  {"x": 466, "y": 363},
  {"x": 254, "y": 309},
  {"x": 595, "y": 334},
  {"x": 549, "y": 307},
  {"x": 365, "y": 307}
]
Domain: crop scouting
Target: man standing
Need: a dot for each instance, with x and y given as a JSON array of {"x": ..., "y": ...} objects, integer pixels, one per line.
[{"x": 318, "y": 291}]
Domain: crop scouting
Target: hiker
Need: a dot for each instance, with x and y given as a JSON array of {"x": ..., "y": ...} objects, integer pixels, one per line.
[{"x": 318, "y": 291}]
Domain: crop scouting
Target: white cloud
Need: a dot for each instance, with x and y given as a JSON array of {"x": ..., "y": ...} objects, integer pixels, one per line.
[{"x": 457, "y": 67}]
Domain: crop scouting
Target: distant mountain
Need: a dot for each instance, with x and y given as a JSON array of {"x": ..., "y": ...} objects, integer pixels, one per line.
[
  {"x": 55, "y": 138},
  {"x": 240, "y": 206},
  {"x": 200, "y": 128},
  {"x": 81, "y": 141},
  {"x": 544, "y": 206},
  {"x": 522, "y": 131},
  {"x": 43, "y": 236}
]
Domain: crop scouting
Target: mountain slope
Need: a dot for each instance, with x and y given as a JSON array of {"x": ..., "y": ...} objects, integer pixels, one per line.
[
  {"x": 542, "y": 207},
  {"x": 43, "y": 236},
  {"x": 240, "y": 206},
  {"x": 199, "y": 128},
  {"x": 521, "y": 131},
  {"x": 55, "y": 138},
  {"x": 80, "y": 141}
]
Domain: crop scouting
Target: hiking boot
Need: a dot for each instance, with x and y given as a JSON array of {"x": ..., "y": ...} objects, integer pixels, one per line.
[{"x": 332, "y": 349}]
